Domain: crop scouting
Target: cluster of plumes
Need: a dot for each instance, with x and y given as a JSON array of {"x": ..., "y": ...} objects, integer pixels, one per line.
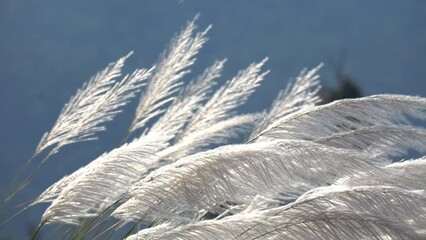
[{"x": 304, "y": 172}]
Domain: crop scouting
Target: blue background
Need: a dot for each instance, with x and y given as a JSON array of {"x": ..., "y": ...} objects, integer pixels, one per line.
[{"x": 49, "y": 48}]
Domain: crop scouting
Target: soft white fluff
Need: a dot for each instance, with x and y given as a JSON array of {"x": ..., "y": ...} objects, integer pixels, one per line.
[
  {"x": 170, "y": 69},
  {"x": 235, "y": 174},
  {"x": 104, "y": 181},
  {"x": 97, "y": 102},
  {"x": 215, "y": 122},
  {"x": 346, "y": 115},
  {"x": 387, "y": 141},
  {"x": 306, "y": 172},
  {"x": 409, "y": 174},
  {"x": 335, "y": 212},
  {"x": 302, "y": 94}
]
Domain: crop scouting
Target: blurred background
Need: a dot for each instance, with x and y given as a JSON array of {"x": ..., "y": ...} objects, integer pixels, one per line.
[{"x": 49, "y": 48}]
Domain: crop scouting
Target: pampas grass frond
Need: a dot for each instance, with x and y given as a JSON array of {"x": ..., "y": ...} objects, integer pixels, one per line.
[
  {"x": 236, "y": 174},
  {"x": 306, "y": 171},
  {"x": 301, "y": 94},
  {"x": 386, "y": 141},
  {"x": 325, "y": 212},
  {"x": 170, "y": 69},
  {"x": 346, "y": 115},
  {"x": 97, "y": 102},
  {"x": 104, "y": 181}
]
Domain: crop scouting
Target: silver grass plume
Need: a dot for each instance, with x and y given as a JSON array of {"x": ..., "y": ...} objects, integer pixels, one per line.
[
  {"x": 301, "y": 94},
  {"x": 184, "y": 105},
  {"x": 404, "y": 206},
  {"x": 122, "y": 167},
  {"x": 170, "y": 69},
  {"x": 408, "y": 175},
  {"x": 322, "y": 226},
  {"x": 216, "y": 134},
  {"x": 189, "y": 100},
  {"x": 178, "y": 44},
  {"x": 346, "y": 115},
  {"x": 307, "y": 172},
  {"x": 130, "y": 162},
  {"x": 383, "y": 141},
  {"x": 105, "y": 180},
  {"x": 202, "y": 84},
  {"x": 52, "y": 192},
  {"x": 97, "y": 102},
  {"x": 334, "y": 212},
  {"x": 196, "y": 91},
  {"x": 242, "y": 86},
  {"x": 225, "y": 100},
  {"x": 237, "y": 173},
  {"x": 169, "y": 124},
  {"x": 215, "y": 121}
]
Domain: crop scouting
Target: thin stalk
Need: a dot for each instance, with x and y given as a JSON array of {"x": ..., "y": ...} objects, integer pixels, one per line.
[
  {"x": 132, "y": 228},
  {"x": 33, "y": 237},
  {"x": 95, "y": 218},
  {"x": 24, "y": 183},
  {"x": 108, "y": 229}
]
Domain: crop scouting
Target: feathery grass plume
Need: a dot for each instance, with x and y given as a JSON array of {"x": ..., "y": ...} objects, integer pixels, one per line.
[
  {"x": 334, "y": 212},
  {"x": 235, "y": 174},
  {"x": 188, "y": 101},
  {"x": 324, "y": 225},
  {"x": 403, "y": 206},
  {"x": 152, "y": 232},
  {"x": 202, "y": 84},
  {"x": 307, "y": 172},
  {"x": 203, "y": 136},
  {"x": 346, "y": 115},
  {"x": 167, "y": 126},
  {"x": 97, "y": 102},
  {"x": 197, "y": 91},
  {"x": 412, "y": 166},
  {"x": 223, "y": 103},
  {"x": 216, "y": 134},
  {"x": 171, "y": 67},
  {"x": 301, "y": 94},
  {"x": 385, "y": 141},
  {"x": 215, "y": 122},
  {"x": 105, "y": 181},
  {"x": 408, "y": 175},
  {"x": 210, "y": 125},
  {"x": 52, "y": 192}
]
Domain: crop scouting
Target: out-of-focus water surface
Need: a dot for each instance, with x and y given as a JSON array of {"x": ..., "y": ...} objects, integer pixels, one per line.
[{"x": 49, "y": 48}]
